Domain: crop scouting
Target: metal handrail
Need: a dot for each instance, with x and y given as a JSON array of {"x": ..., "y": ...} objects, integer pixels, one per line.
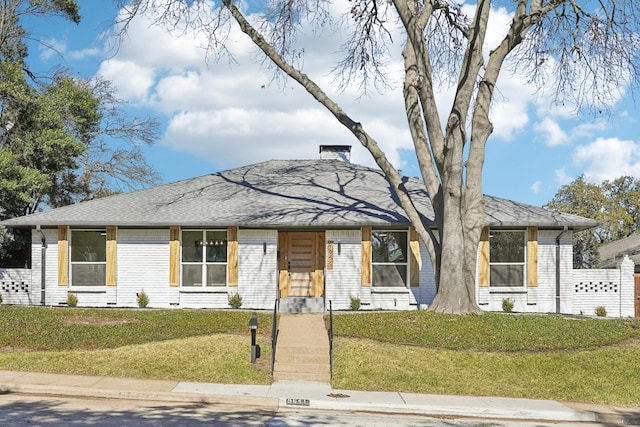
[
  {"x": 330, "y": 340},
  {"x": 274, "y": 335}
]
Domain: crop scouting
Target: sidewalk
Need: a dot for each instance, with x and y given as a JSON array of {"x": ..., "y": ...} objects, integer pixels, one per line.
[{"x": 300, "y": 394}]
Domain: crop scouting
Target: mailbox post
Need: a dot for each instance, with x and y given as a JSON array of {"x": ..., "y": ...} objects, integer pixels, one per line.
[{"x": 253, "y": 326}]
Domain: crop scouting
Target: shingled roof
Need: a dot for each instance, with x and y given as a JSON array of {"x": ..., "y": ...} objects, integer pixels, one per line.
[{"x": 279, "y": 193}]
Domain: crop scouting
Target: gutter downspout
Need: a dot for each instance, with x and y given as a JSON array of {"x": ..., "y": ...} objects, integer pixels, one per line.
[
  {"x": 558, "y": 237},
  {"x": 43, "y": 260}
]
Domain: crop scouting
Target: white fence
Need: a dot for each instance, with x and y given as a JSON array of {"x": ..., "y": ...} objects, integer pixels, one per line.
[
  {"x": 16, "y": 287},
  {"x": 612, "y": 289}
]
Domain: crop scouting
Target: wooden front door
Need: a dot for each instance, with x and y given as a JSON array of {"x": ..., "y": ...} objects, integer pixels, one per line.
[
  {"x": 637, "y": 294},
  {"x": 301, "y": 264}
]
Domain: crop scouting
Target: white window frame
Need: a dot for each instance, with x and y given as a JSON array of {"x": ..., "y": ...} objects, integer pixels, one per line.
[
  {"x": 405, "y": 263},
  {"x": 72, "y": 263},
  {"x": 523, "y": 264},
  {"x": 204, "y": 264}
]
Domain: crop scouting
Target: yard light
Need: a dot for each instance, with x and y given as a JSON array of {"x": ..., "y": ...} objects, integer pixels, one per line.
[{"x": 253, "y": 326}]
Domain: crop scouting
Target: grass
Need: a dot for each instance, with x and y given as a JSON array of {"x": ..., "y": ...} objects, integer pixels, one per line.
[
  {"x": 543, "y": 357},
  {"x": 488, "y": 332},
  {"x": 538, "y": 357},
  {"x": 187, "y": 345}
]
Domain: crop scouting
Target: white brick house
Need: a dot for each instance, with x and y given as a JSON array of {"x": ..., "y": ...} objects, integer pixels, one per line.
[{"x": 323, "y": 230}]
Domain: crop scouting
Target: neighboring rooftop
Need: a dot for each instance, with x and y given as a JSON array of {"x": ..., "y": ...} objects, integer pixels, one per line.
[{"x": 612, "y": 253}]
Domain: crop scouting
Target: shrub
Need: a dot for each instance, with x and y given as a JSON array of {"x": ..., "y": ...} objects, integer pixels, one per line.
[
  {"x": 72, "y": 300},
  {"x": 507, "y": 305},
  {"x": 355, "y": 303},
  {"x": 235, "y": 301},
  {"x": 143, "y": 299},
  {"x": 601, "y": 311},
  {"x": 0, "y": 299}
]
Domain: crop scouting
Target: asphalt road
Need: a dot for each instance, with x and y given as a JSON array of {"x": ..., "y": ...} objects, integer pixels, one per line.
[{"x": 45, "y": 411}]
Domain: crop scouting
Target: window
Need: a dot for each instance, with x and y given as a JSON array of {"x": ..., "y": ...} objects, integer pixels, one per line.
[
  {"x": 204, "y": 258},
  {"x": 88, "y": 257},
  {"x": 507, "y": 258},
  {"x": 389, "y": 258}
]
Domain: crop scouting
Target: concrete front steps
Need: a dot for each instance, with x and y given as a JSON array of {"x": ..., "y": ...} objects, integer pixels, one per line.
[
  {"x": 302, "y": 351},
  {"x": 301, "y": 305}
]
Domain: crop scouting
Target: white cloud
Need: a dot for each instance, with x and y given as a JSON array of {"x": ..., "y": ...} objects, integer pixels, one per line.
[
  {"x": 50, "y": 48},
  {"x": 83, "y": 53},
  {"x": 552, "y": 133},
  {"x": 609, "y": 158},
  {"x": 561, "y": 177},
  {"x": 535, "y": 187},
  {"x": 132, "y": 80}
]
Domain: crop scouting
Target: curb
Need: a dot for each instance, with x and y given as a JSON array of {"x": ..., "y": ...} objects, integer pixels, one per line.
[
  {"x": 52, "y": 390},
  {"x": 567, "y": 415}
]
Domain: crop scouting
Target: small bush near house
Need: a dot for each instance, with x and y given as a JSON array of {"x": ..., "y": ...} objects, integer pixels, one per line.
[
  {"x": 72, "y": 300},
  {"x": 0, "y": 299},
  {"x": 507, "y": 305},
  {"x": 235, "y": 301},
  {"x": 143, "y": 299},
  {"x": 355, "y": 303},
  {"x": 601, "y": 311}
]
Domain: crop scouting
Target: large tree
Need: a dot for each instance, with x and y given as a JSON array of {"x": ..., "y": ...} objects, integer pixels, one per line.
[
  {"x": 614, "y": 204},
  {"x": 580, "y": 49},
  {"x": 62, "y": 139}
]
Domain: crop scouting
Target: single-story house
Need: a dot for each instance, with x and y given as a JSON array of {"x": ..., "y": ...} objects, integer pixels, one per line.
[
  {"x": 611, "y": 253},
  {"x": 293, "y": 231}
]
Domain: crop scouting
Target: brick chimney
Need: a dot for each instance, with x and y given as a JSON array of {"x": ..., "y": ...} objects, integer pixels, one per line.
[{"x": 336, "y": 152}]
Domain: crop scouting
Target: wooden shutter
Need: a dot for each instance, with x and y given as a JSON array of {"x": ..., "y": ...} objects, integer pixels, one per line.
[
  {"x": 174, "y": 256},
  {"x": 484, "y": 257},
  {"x": 232, "y": 256},
  {"x": 112, "y": 256},
  {"x": 283, "y": 251},
  {"x": 63, "y": 256},
  {"x": 319, "y": 262},
  {"x": 366, "y": 256},
  {"x": 532, "y": 256},
  {"x": 415, "y": 261}
]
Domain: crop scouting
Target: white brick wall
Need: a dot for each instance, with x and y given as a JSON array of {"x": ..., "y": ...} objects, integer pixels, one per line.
[
  {"x": 613, "y": 289},
  {"x": 16, "y": 287},
  {"x": 257, "y": 270},
  {"x": 542, "y": 298},
  {"x": 143, "y": 265},
  {"x": 343, "y": 280}
]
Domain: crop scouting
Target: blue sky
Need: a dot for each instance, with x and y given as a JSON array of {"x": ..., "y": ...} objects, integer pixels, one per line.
[{"x": 218, "y": 115}]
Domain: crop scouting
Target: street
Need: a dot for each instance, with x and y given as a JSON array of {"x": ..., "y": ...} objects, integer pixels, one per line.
[{"x": 33, "y": 411}]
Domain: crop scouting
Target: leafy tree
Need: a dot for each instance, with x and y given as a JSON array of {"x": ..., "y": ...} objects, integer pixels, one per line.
[
  {"x": 580, "y": 51},
  {"x": 615, "y": 204},
  {"x": 62, "y": 139}
]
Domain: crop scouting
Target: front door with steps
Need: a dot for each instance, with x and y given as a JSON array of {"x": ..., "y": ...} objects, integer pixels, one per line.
[{"x": 301, "y": 264}]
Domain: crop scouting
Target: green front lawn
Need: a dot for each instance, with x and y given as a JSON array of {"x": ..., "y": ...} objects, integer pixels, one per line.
[
  {"x": 188, "y": 345},
  {"x": 544, "y": 357},
  {"x": 541, "y": 357}
]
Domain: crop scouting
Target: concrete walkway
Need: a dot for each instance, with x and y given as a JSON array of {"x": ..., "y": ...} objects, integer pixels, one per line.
[
  {"x": 302, "y": 351},
  {"x": 295, "y": 394}
]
